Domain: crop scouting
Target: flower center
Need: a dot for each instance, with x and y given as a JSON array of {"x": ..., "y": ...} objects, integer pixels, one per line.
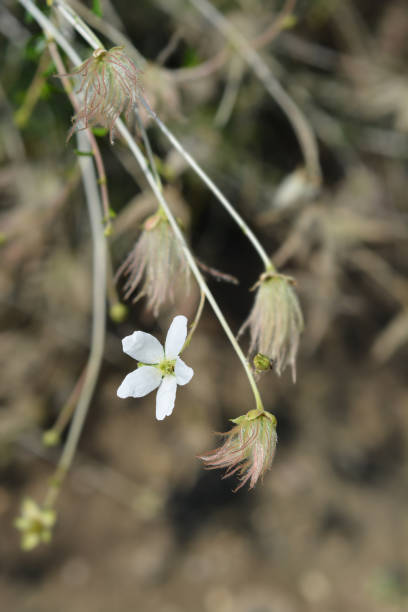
[{"x": 166, "y": 366}]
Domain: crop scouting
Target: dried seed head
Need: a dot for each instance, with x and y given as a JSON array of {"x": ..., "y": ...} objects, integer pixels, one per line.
[
  {"x": 248, "y": 449},
  {"x": 109, "y": 87},
  {"x": 156, "y": 266},
  {"x": 276, "y": 321}
]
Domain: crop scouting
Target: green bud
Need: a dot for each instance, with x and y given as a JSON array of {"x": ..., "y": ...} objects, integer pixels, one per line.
[
  {"x": 51, "y": 438},
  {"x": 118, "y": 312},
  {"x": 261, "y": 362}
]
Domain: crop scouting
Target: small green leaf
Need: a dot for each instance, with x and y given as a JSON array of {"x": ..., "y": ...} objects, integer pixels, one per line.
[{"x": 96, "y": 8}]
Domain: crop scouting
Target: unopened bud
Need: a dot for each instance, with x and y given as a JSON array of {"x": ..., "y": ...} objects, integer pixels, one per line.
[
  {"x": 51, "y": 438},
  {"x": 261, "y": 362},
  {"x": 118, "y": 312}
]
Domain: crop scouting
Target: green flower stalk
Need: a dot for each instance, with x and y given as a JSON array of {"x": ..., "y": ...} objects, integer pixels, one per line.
[
  {"x": 275, "y": 322},
  {"x": 109, "y": 87},
  {"x": 156, "y": 266},
  {"x": 35, "y": 524},
  {"x": 249, "y": 448}
]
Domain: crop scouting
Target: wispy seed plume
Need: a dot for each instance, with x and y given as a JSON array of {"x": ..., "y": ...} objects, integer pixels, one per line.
[
  {"x": 276, "y": 321},
  {"x": 109, "y": 86},
  {"x": 156, "y": 268},
  {"x": 248, "y": 449}
]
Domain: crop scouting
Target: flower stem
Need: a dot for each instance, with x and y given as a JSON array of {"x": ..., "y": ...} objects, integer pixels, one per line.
[
  {"x": 98, "y": 322},
  {"x": 196, "y": 321},
  {"x": 86, "y": 32},
  {"x": 212, "y": 187},
  {"x": 69, "y": 407},
  {"x": 148, "y": 148}
]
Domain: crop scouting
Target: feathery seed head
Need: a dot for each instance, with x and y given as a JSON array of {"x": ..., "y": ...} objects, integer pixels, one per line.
[
  {"x": 109, "y": 87},
  {"x": 276, "y": 321},
  {"x": 156, "y": 266},
  {"x": 248, "y": 449}
]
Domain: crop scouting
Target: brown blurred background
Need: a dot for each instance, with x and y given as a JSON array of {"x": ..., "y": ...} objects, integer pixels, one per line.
[{"x": 141, "y": 525}]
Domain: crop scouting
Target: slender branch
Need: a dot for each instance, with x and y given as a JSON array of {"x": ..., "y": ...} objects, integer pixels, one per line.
[
  {"x": 196, "y": 321},
  {"x": 212, "y": 187},
  {"x": 109, "y": 30},
  {"x": 98, "y": 323},
  {"x": 235, "y": 73},
  {"x": 68, "y": 408},
  {"x": 148, "y": 148},
  {"x": 71, "y": 16},
  {"x": 299, "y": 122},
  {"x": 203, "y": 70},
  {"x": 276, "y": 26},
  {"x": 213, "y": 64},
  {"x": 23, "y": 114}
]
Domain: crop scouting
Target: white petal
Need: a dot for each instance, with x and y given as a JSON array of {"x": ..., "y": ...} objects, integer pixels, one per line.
[
  {"x": 140, "y": 382},
  {"x": 143, "y": 347},
  {"x": 176, "y": 336},
  {"x": 183, "y": 373},
  {"x": 165, "y": 398}
]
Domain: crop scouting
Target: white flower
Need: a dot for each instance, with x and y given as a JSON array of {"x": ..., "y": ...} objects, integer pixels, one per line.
[{"x": 158, "y": 366}]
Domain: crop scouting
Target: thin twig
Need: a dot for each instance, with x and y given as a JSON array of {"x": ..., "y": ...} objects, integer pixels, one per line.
[
  {"x": 205, "y": 69},
  {"x": 107, "y": 29},
  {"x": 98, "y": 322},
  {"x": 196, "y": 321},
  {"x": 276, "y": 26},
  {"x": 212, "y": 187},
  {"x": 148, "y": 148},
  {"x": 230, "y": 95},
  {"x": 299, "y": 122},
  {"x": 33, "y": 93},
  {"x": 68, "y": 408}
]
